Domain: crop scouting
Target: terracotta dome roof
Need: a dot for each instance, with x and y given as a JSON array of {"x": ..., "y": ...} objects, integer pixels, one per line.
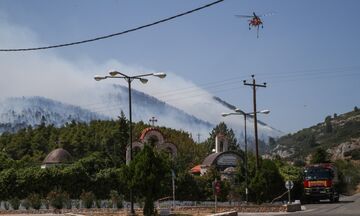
[
  {"x": 196, "y": 169},
  {"x": 147, "y": 130},
  {"x": 57, "y": 156}
]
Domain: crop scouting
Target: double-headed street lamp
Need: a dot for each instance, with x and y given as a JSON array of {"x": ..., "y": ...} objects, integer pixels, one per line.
[
  {"x": 240, "y": 112},
  {"x": 129, "y": 79}
]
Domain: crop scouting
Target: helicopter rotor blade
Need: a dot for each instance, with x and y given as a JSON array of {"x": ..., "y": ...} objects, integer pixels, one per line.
[
  {"x": 265, "y": 15},
  {"x": 244, "y": 16}
]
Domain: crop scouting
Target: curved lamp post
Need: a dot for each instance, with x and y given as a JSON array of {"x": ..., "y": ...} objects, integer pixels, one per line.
[
  {"x": 240, "y": 112},
  {"x": 129, "y": 79}
]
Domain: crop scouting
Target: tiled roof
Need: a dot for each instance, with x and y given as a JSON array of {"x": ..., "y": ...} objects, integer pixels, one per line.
[
  {"x": 196, "y": 169},
  {"x": 209, "y": 160}
]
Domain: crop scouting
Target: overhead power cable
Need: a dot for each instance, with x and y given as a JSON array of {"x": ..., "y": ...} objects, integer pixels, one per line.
[{"x": 112, "y": 35}]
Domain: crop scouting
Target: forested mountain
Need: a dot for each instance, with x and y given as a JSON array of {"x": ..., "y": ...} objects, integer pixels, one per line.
[
  {"x": 339, "y": 135},
  {"x": 21, "y": 112},
  {"x": 18, "y": 113}
]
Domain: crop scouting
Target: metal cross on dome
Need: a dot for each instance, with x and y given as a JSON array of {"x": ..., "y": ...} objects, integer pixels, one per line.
[{"x": 153, "y": 120}]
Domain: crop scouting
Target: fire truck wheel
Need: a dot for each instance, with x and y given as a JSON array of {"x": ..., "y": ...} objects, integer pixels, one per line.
[
  {"x": 308, "y": 201},
  {"x": 334, "y": 198}
]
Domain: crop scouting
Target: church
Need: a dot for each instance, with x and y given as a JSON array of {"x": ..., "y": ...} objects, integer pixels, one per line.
[
  {"x": 221, "y": 159},
  {"x": 152, "y": 136}
]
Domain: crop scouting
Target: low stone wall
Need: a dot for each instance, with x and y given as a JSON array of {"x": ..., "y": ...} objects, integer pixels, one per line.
[
  {"x": 262, "y": 208},
  {"x": 243, "y": 208},
  {"x": 193, "y": 210},
  {"x": 293, "y": 207},
  {"x": 93, "y": 211}
]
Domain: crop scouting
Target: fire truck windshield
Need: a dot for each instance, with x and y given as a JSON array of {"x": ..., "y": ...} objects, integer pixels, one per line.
[{"x": 317, "y": 173}]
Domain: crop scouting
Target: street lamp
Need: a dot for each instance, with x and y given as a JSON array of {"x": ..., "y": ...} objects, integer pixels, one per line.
[
  {"x": 129, "y": 79},
  {"x": 240, "y": 112}
]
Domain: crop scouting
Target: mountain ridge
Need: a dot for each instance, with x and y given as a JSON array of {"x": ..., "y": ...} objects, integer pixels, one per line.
[
  {"x": 20, "y": 112},
  {"x": 339, "y": 135}
]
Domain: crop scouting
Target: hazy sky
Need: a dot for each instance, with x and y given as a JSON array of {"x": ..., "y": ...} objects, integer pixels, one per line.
[{"x": 307, "y": 52}]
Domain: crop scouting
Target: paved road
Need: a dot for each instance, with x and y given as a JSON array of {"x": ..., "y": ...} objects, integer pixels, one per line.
[{"x": 348, "y": 206}]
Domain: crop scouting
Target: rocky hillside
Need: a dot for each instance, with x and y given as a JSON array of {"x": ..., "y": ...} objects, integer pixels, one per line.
[{"x": 338, "y": 134}]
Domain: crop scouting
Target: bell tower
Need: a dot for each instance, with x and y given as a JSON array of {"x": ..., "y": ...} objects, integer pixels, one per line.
[{"x": 221, "y": 143}]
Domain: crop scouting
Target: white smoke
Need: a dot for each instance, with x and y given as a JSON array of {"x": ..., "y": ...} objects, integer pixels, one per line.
[{"x": 47, "y": 74}]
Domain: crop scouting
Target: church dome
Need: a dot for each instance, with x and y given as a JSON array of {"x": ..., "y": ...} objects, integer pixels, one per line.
[{"x": 58, "y": 156}]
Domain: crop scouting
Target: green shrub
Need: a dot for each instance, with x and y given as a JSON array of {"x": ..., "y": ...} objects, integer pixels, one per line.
[
  {"x": 26, "y": 204},
  {"x": 57, "y": 198},
  {"x": 67, "y": 200},
  {"x": 34, "y": 201},
  {"x": 46, "y": 203},
  {"x": 77, "y": 204},
  {"x": 266, "y": 183},
  {"x": 15, "y": 203},
  {"x": 6, "y": 205},
  {"x": 116, "y": 199},
  {"x": 355, "y": 154},
  {"x": 349, "y": 176},
  {"x": 98, "y": 203},
  {"x": 87, "y": 199},
  {"x": 107, "y": 204}
]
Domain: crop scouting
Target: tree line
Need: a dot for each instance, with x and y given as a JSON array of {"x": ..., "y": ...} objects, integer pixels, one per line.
[{"x": 99, "y": 166}]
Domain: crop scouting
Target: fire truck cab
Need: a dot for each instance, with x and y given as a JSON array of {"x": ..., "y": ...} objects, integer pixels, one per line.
[{"x": 320, "y": 182}]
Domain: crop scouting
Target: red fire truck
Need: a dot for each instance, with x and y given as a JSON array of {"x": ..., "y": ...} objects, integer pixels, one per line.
[{"x": 320, "y": 182}]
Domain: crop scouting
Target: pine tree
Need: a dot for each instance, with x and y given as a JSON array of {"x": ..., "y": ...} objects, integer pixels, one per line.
[
  {"x": 120, "y": 139},
  {"x": 311, "y": 140},
  {"x": 272, "y": 143},
  {"x": 320, "y": 156},
  {"x": 149, "y": 170},
  {"x": 228, "y": 133},
  {"x": 328, "y": 125}
]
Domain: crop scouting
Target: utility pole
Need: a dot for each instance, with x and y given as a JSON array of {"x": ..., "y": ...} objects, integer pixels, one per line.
[
  {"x": 173, "y": 186},
  {"x": 254, "y": 85},
  {"x": 153, "y": 120}
]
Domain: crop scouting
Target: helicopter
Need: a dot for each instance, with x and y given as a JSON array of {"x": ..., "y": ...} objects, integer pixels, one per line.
[{"x": 254, "y": 21}]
